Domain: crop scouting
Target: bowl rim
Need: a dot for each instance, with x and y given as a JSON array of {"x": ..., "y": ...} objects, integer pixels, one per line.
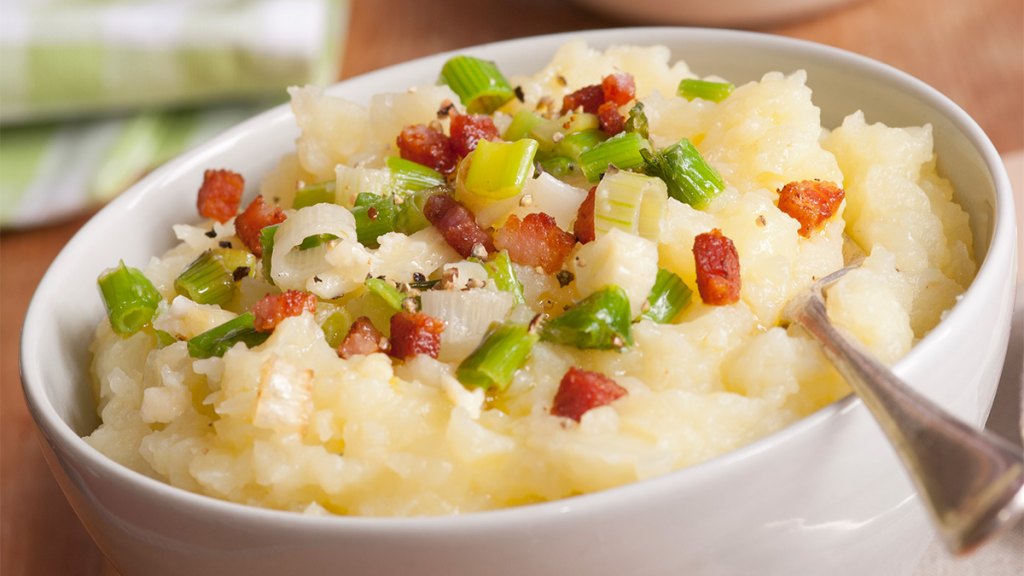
[{"x": 57, "y": 432}]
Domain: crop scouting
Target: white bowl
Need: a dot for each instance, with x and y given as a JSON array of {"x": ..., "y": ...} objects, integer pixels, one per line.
[
  {"x": 824, "y": 496},
  {"x": 717, "y": 13}
]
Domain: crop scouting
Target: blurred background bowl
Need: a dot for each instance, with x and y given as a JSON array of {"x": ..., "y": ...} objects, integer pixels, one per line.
[{"x": 823, "y": 496}]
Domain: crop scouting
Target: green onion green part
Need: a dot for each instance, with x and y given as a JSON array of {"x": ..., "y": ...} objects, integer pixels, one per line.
[
  {"x": 668, "y": 297},
  {"x": 631, "y": 202},
  {"x": 410, "y": 218},
  {"x": 498, "y": 170},
  {"x": 691, "y": 88},
  {"x": 624, "y": 151},
  {"x": 505, "y": 349},
  {"x": 504, "y": 276},
  {"x": 267, "y": 243},
  {"x": 479, "y": 84},
  {"x": 336, "y": 327},
  {"x": 129, "y": 297},
  {"x": 238, "y": 262},
  {"x": 164, "y": 339},
  {"x": 387, "y": 292},
  {"x": 522, "y": 125},
  {"x": 689, "y": 177},
  {"x": 599, "y": 321},
  {"x": 218, "y": 340},
  {"x": 637, "y": 120},
  {"x": 315, "y": 240},
  {"x": 574, "y": 145},
  {"x": 559, "y": 166},
  {"x": 319, "y": 193},
  {"x": 412, "y": 176},
  {"x": 375, "y": 216},
  {"x": 206, "y": 280}
]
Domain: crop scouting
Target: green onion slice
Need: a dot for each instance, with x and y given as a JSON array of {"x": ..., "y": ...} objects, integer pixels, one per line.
[
  {"x": 506, "y": 348},
  {"x": 478, "y": 83},
  {"x": 410, "y": 218},
  {"x": 387, "y": 292},
  {"x": 206, "y": 280},
  {"x": 267, "y": 243},
  {"x": 631, "y": 202},
  {"x": 637, "y": 120},
  {"x": 375, "y": 216},
  {"x": 129, "y": 297},
  {"x": 624, "y": 151},
  {"x": 668, "y": 297},
  {"x": 599, "y": 321},
  {"x": 692, "y": 88},
  {"x": 315, "y": 240},
  {"x": 319, "y": 193},
  {"x": 218, "y": 340},
  {"x": 689, "y": 177},
  {"x": 504, "y": 276},
  {"x": 336, "y": 327},
  {"x": 498, "y": 170},
  {"x": 412, "y": 176}
]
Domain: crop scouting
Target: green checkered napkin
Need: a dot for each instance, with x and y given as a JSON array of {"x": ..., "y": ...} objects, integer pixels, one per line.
[{"x": 96, "y": 93}]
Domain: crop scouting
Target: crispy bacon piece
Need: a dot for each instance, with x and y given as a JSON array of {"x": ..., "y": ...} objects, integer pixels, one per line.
[
  {"x": 810, "y": 202},
  {"x": 274, "y": 308},
  {"x": 457, "y": 224},
  {"x": 619, "y": 88},
  {"x": 584, "y": 225},
  {"x": 428, "y": 146},
  {"x": 415, "y": 333},
  {"x": 588, "y": 97},
  {"x": 582, "y": 390},
  {"x": 254, "y": 218},
  {"x": 611, "y": 120},
  {"x": 220, "y": 194},
  {"x": 363, "y": 338},
  {"x": 468, "y": 129},
  {"x": 536, "y": 240},
  {"x": 718, "y": 268}
]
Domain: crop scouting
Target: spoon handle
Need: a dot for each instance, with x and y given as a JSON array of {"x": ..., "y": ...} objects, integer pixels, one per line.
[{"x": 972, "y": 481}]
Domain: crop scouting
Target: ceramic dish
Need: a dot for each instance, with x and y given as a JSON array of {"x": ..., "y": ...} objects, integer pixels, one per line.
[{"x": 823, "y": 496}]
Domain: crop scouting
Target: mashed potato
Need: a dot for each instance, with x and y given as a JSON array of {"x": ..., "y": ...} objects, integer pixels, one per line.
[{"x": 289, "y": 424}]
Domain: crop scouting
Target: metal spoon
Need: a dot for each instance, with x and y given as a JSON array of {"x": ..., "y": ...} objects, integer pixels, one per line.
[{"x": 972, "y": 482}]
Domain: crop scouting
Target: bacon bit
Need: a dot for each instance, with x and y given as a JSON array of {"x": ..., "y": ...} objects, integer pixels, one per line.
[
  {"x": 810, "y": 202},
  {"x": 428, "y": 146},
  {"x": 582, "y": 390},
  {"x": 468, "y": 129},
  {"x": 274, "y": 308},
  {"x": 584, "y": 225},
  {"x": 718, "y": 268},
  {"x": 457, "y": 224},
  {"x": 363, "y": 338},
  {"x": 588, "y": 97},
  {"x": 536, "y": 240},
  {"x": 619, "y": 88},
  {"x": 254, "y": 218},
  {"x": 220, "y": 194},
  {"x": 611, "y": 120},
  {"x": 415, "y": 333}
]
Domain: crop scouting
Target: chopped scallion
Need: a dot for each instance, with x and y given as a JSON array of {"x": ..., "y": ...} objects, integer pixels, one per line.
[
  {"x": 631, "y": 202},
  {"x": 689, "y": 177},
  {"x": 336, "y": 327},
  {"x": 691, "y": 88},
  {"x": 575, "y": 144},
  {"x": 624, "y": 151},
  {"x": 412, "y": 176},
  {"x": 505, "y": 349},
  {"x": 504, "y": 276},
  {"x": 521, "y": 126},
  {"x": 319, "y": 193},
  {"x": 206, "y": 280},
  {"x": 267, "y": 243},
  {"x": 218, "y": 340},
  {"x": 479, "y": 84},
  {"x": 667, "y": 298},
  {"x": 129, "y": 297},
  {"x": 559, "y": 166},
  {"x": 637, "y": 120},
  {"x": 387, "y": 292},
  {"x": 410, "y": 218},
  {"x": 375, "y": 216},
  {"x": 316, "y": 240},
  {"x": 600, "y": 321},
  {"x": 498, "y": 170}
]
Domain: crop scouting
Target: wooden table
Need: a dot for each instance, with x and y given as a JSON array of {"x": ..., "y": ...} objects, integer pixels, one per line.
[{"x": 971, "y": 51}]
